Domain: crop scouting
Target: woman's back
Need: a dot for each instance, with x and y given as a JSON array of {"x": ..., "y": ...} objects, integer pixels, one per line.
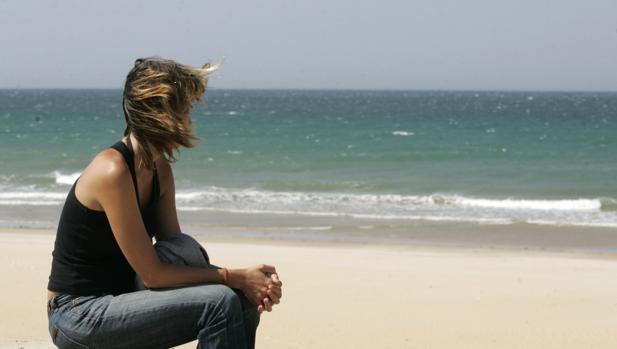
[{"x": 87, "y": 259}]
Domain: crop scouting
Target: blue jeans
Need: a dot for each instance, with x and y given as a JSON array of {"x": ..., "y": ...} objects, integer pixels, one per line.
[{"x": 216, "y": 315}]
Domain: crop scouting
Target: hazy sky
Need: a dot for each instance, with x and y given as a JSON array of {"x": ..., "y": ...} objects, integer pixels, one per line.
[{"x": 387, "y": 44}]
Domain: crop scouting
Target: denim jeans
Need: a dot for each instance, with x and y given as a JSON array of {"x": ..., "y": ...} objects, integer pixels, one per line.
[{"x": 216, "y": 315}]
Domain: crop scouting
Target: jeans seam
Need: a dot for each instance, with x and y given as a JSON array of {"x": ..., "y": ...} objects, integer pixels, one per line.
[{"x": 74, "y": 342}]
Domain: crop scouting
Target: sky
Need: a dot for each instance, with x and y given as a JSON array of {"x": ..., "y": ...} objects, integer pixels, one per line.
[{"x": 317, "y": 44}]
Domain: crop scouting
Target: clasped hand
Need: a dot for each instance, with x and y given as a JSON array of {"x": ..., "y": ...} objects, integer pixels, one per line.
[{"x": 262, "y": 287}]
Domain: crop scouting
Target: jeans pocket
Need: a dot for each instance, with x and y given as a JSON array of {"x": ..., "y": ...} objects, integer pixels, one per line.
[
  {"x": 57, "y": 302},
  {"x": 62, "y": 341}
]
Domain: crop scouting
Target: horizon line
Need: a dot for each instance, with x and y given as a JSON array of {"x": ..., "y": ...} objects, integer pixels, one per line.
[{"x": 323, "y": 89}]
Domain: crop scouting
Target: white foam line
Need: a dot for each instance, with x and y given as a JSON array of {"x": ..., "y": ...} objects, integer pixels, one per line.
[
  {"x": 572, "y": 224},
  {"x": 28, "y": 203},
  {"x": 561, "y": 205},
  {"x": 352, "y": 215},
  {"x": 488, "y": 221},
  {"x": 327, "y": 227},
  {"x": 441, "y": 200},
  {"x": 32, "y": 195},
  {"x": 278, "y": 212}
]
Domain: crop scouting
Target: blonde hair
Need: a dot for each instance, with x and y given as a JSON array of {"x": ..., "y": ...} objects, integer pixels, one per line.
[{"x": 157, "y": 99}]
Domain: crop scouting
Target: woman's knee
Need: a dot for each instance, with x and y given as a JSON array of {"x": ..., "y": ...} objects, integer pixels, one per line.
[
  {"x": 249, "y": 310},
  {"x": 221, "y": 297},
  {"x": 251, "y": 320}
]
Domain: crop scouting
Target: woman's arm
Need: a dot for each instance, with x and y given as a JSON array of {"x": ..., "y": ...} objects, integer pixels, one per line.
[
  {"x": 114, "y": 191},
  {"x": 166, "y": 216},
  {"x": 167, "y": 225}
]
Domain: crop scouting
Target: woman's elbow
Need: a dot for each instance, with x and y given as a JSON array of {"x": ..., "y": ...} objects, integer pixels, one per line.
[
  {"x": 152, "y": 283},
  {"x": 152, "y": 278}
]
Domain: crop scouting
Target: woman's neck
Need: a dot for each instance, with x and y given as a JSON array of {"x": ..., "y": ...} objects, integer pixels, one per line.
[{"x": 136, "y": 146}]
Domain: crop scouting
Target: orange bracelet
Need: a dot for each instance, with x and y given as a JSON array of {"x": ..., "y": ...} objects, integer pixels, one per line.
[{"x": 225, "y": 275}]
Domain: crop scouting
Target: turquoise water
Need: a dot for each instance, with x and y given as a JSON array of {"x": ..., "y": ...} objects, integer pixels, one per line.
[{"x": 492, "y": 157}]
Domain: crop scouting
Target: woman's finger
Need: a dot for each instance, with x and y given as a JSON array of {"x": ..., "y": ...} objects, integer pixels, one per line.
[
  {"x": 267, "y": 268},
  {"x": 273, "y": 297},
  {"x": 268, "y": 304},
  {"x": 275, "y": 278},
  {"x": 274, "y": 287},
  {"x": 275, "y": 292}
]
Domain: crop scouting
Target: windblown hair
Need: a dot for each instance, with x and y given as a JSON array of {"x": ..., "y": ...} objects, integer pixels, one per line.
[{"x": 157, "y": 99}]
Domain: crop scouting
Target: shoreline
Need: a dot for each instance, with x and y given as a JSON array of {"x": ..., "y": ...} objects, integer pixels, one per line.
[
  {"x": 206, "y": 237},
  {"x": 345, "y": 230}
]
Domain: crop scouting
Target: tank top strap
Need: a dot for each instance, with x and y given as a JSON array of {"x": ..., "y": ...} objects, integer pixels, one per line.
[{"x": 129, "y": 158}]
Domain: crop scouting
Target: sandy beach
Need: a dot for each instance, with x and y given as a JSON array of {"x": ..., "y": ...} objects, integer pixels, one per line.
[{"x": 377, "y": 295}]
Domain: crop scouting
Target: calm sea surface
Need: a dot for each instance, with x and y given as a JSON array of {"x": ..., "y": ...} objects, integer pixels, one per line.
[{"x": 487, "y": 157}]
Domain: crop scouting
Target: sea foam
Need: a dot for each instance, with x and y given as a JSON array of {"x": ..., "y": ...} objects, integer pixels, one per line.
[
  {"x": 403, "y": 133},
  {"x": 598, "y": 212},
  {"x": 436, "y": 207},
  {"x": 66, "y": 179},
  {"x": 561, "y": 205},
  {"x": 31, "y": 198},
  {"x": 220, "y": 195}
]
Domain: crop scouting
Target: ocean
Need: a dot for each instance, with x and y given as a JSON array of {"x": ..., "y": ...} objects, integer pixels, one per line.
[{"x": 543, "y": 158}]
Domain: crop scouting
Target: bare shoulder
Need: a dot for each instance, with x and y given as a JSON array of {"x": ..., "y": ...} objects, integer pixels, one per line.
[
  {"x": 106, "y": 170},
  {"x": 107, "y": 167}
]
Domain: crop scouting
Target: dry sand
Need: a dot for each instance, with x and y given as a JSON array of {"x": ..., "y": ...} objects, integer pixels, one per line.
[{"x": 376, "y": 296}]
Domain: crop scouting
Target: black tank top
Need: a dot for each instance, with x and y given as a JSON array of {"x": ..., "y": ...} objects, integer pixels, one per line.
[{"x": 86, "y": 258}]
